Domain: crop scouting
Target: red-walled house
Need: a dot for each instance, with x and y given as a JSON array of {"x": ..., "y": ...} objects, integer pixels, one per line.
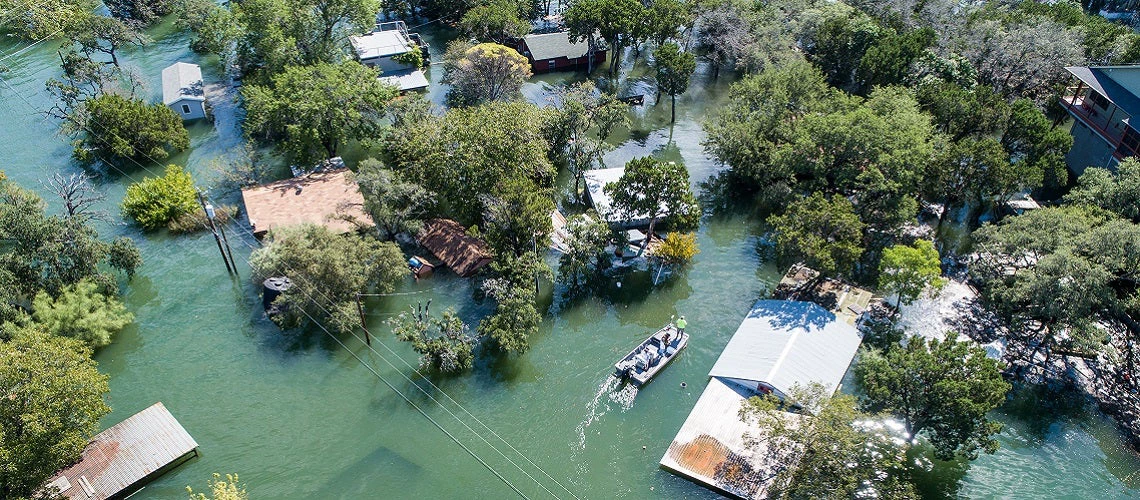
[{"x": 555, "y": 52}]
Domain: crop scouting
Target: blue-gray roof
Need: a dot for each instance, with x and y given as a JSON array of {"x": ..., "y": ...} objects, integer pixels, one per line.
[
  {"x": 1106, "y": 80},
  {"x": 785, "y": 343}
]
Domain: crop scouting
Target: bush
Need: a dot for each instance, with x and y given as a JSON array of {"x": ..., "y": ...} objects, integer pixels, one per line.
[
  {"x": 156, "y": 202},
  {"x": 82, "y": 312}
]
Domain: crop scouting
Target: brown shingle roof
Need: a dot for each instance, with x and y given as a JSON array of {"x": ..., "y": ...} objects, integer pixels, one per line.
[
  {"x": 449, "y": 241},
  {"x": 330, "y": 199}
]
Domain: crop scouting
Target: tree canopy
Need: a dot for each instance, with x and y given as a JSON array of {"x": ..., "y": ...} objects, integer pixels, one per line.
[
  {"x": 396, "y": 205},
  {"x": 316, "y": 110},
  {"x": 445, "y": 343},
  {"x": 124, "y": 131},
  {"x": 155, "y": 202},
  {"x": 823, "y": 233},
  {"x": 910, "y": 270},
  {"x": 328, "y": 270},
  {"x": 614, "y": 20},
  {"x": 483, "y": 73},
  {"x": 673, "y": 67},
  {"x": 82, "y": 312},
  {"x": 656, "y": 190},
  {"x": 53, "y": 403}
]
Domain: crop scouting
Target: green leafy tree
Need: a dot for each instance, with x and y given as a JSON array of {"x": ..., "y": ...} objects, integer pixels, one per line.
[
  {"x": 655, "y": 190},
  {"x": 445, "y": 344},
  {"x": 664, "y": 19},
  {"x": 1036, "y": 148},
  {"x": 888, "y": 59},
  {"x": 118, "y": 130},
  {"x": 909, "y": 270},
  {"x": 48, "y": 252},
  {"x": 53, "y": 402},
  {"x": 942, "y": 390},
  {"x": 579, "y": 130},
  {"x": 413, "y": 57},
  {"x": 585, "y": 257},
  {"x": 839, "y": 43},
  {"x": 141, "y": 11},
  {"x": 395, "y": 204},
  {"x": 156, "y": 202},
  {"x": 825, "y": 234},
  {"x": 264, "y": 37},
  {"x": 213, "y": 25},
  {"x": 316, "y": 110},
  {"x": 825, "y": 455},
  {"x": 82, "y": 312},
  {"x": 969, "y": 171},
  {"x": 614, "y": 20},
  {"x": 468, "y": 153},
  {"x": 328, "y": 271},
  {"x": 1117, "y": 192},
  {"x": 960, "y": 112},
  {"x": 517, "y": 220},
  {"x": 483, "y": 73},
  {"x": 674, "y": 67},
  {"x": 497, "y": 21},
  {"x": 515, "y": 318},
  {"x": 43, "y": 18},
  {"x": 227, "y": 489},
  {"x": 677, "y": 248}
]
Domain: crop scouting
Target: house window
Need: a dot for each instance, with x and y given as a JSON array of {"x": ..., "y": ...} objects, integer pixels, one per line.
[
  {"x": 1098, "y": 99},
  {"x": 185, "y": 109},
  {"x": 550, "y": 63},
  {"x": 1131, "y": 141}
]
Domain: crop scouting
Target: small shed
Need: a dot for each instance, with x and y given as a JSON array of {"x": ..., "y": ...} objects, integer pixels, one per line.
[
  {"x": 327, "y": 198},
  {"x": 184, "y": 91},
  {"x": 555, "y": 51},
  {"x": 449, "y": 242},
  {"x": 122, "y": 459}
]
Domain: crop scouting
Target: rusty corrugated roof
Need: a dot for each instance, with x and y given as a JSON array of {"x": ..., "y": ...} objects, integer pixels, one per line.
[
  {"x": 118, "y": 459},
  {"x": 329, "y": 198}
]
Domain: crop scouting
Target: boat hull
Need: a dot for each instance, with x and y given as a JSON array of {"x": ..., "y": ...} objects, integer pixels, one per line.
[{"x": 649, "y": 358}]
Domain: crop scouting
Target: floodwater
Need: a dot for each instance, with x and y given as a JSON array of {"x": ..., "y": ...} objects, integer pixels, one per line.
[{"x": 304, "y": 415}]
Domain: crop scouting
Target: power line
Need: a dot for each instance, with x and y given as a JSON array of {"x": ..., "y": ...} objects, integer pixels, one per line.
[{"x": 402, "y": 395}]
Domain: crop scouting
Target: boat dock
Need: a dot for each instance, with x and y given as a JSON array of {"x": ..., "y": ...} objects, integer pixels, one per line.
[
  {"x": 779, "y": 345},
  {"x": 120, "y": 460}
]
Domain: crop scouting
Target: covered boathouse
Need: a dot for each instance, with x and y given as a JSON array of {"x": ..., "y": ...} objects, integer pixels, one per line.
[
  {"x": 779, "y": 345},
  {"x": 120, "y": 460},
  {"x": 327, "y": 198}
]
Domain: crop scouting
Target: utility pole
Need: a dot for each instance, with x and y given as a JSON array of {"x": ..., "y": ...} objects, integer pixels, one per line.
[
  {"x": 363, "y": 320},
  {"x": 213, "y": 229}
]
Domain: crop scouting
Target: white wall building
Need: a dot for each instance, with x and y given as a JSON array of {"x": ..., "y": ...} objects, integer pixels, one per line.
[{"x": 184, "y": 91}]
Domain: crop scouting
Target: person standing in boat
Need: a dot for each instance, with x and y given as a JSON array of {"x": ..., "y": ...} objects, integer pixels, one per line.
[{"x": 681, "y": 324}]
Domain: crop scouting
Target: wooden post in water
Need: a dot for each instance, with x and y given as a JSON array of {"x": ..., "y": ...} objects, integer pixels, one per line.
[
  {"x": 363, "y": 320},
  {"x": 213, "y": 229}
]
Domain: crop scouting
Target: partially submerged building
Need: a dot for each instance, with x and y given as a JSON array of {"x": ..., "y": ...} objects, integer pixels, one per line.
[
  {"x": 122, "y": 459},
  {"x": 184, "y": 91},
  {"x": 556, "y": 52},
  {"x": 449, "y": 242},
  {"x": 596, "y": 182},
  {"x": 326, "y": 198},
  {"x": 1102, "y": 104},
  {"x": 383, "y": 48},
  {"x": 780, "y": 345}
]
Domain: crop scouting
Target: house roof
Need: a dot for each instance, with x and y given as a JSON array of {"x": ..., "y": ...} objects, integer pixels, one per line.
[
  {"x": 785, "y": 343},
  {"x": 1110, "y": 82},
  {"x": 182, "y": 81},
  {"x": 329, "y": 198},
  {"x": 124, "y": 455},
  {"x": 381, "y": 44},
  {"x": 554, "y": 45},
  {"x": 408, "y": 79},
  {"x": 449, "y": 241}
]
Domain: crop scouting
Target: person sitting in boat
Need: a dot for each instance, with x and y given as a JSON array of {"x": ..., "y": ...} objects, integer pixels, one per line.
[
  {"x": 665, "y": 339},
  {"x": 681, "y": 324}
]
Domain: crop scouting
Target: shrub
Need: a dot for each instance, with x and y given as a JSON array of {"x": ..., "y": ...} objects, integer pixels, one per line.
[
  {"x": 156, "y": 202},
  {"x": 82, "y": 312}
]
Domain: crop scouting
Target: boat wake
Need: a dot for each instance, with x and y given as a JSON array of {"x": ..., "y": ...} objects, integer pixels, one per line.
[{"x": 611, "y": 394}]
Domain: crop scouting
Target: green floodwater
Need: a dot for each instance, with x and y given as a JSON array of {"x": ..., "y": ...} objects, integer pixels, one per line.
[{"x": 297, "y": 416}]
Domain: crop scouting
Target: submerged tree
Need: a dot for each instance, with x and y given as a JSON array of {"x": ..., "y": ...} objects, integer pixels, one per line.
[
  {"x": 445, "y": 343},
  {"x": 825, "y": 234},
  {"x": 579, "y": 130},
  {"x": 497, "y": 21},
  {"x": 83, "y": 312},
  {"x": 483, "y": 73},
  {"x": 396, "y": 205},
  {"x": 942, "y": 390},
  {"x": 515, "y": 319},
  {"x": 126, "y": 131},
  {"x": 156, "y": 202},
  {"x": 53, "y": 400},
  {"x": 674, "y": 67},
  {"x": 615, "y": 21},
  {"x": 318, "y": 109},
  {"x": 328, "y": 272},
  {"x": 585, "y": 256},
  {"x": 221, "y": 489},
  {"x": 655, "y": 190}
]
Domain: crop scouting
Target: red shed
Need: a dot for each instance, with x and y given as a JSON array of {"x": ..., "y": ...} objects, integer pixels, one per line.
[{"x": 554, "y": 52}]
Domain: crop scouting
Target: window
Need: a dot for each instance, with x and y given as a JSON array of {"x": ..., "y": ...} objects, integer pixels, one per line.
[
  {"x": 1130, "y": 141},
  {"x": 1098, "y": 99},
  {"x": 550, "y": 63},
  {"x": 185, "y": 109}
]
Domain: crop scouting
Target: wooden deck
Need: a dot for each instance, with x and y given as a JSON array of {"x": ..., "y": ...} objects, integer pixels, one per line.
[
  {"x": 846, "y": 301},
  {"x": 712, "y": 439},
  {"x": 123, "y": 458}
]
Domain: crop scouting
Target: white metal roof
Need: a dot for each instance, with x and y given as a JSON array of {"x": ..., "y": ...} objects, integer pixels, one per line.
[
  {"x": 409, "y": 79},
  {"x": 554, "y": 45},
  {"x": 381, "y": 44},
  {"x": 182, "y": 81},
  {"x": 784, "y": 343}
]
